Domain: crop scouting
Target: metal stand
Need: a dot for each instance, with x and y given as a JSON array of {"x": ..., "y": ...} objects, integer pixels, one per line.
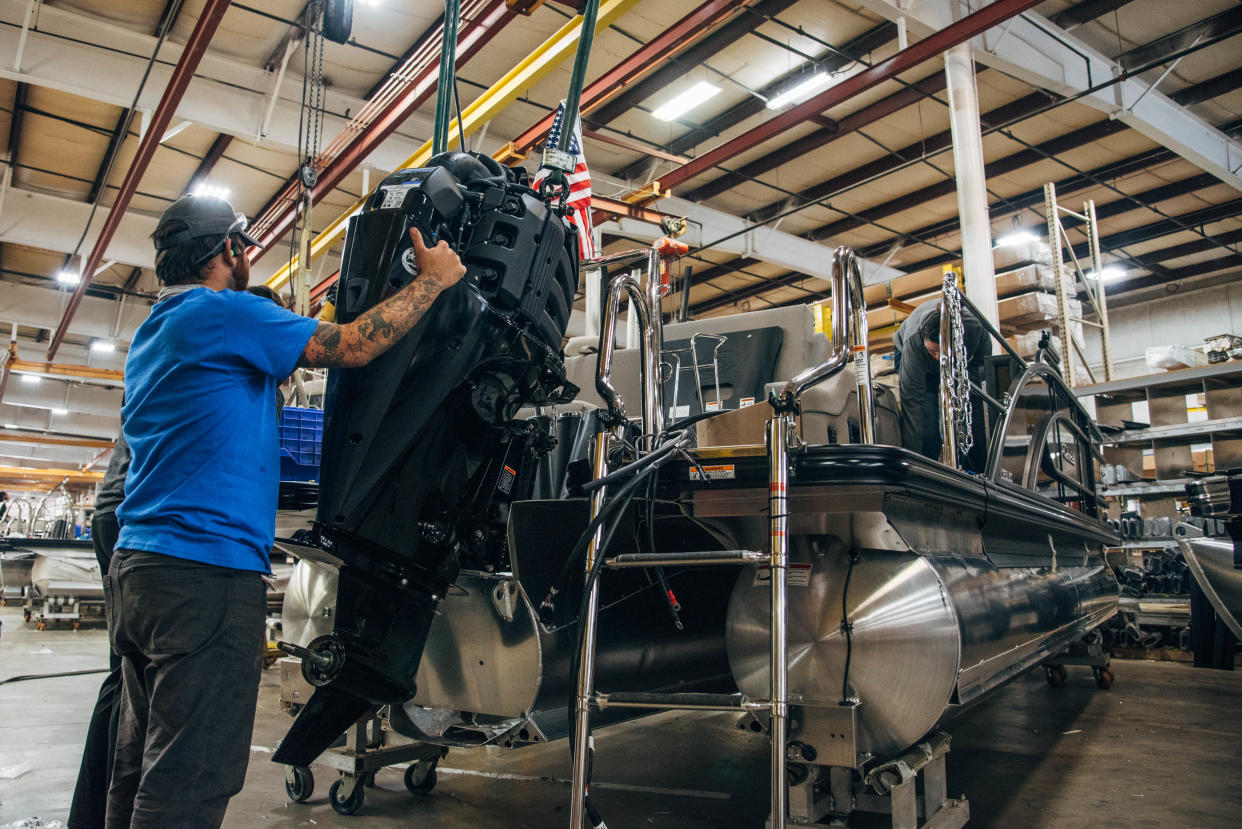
[
  {"x": 367, "y": 746},
  {"x": 1090, "y": 652},
  {"x": 893, "y": 789},
  {"x": 1059, "y": 241},
  {"x": 848, "y": 348}
]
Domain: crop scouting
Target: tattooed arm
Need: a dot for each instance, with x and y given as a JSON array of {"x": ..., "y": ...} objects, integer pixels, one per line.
[{"x": 377, "y": 330}]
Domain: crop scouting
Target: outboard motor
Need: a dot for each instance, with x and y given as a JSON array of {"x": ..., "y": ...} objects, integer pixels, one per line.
[{"x": 420, "y": 445}]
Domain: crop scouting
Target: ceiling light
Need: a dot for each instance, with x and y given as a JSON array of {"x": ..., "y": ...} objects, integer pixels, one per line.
[
  {"x": 60, "y": 411},
  {"x": 1108, "y": 273},
  {"x": 1016, "y": 238},
  {"x": 103, "y": 346},
  {"x": 31, "y": 379},
  {"x": 207, "y": 190},
  {"x": 66, "y": 276},
  {"x": 801, "y": 90},
  {"x": 686, "y": 101}
]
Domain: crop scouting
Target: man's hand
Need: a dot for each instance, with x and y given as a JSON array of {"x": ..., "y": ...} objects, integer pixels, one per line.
[
  {"x": 378, "y": 329},
  {"x": 440, "y": 264}
]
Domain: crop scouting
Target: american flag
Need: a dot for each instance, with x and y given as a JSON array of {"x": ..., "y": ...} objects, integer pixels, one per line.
[{"x": 579, "y": 201}]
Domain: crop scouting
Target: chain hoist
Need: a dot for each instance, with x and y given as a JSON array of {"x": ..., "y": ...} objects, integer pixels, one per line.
[{"x": 959, "y": 374}]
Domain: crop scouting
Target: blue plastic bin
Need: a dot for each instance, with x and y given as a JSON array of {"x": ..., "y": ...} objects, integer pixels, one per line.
[{"x": 301, "y": 441}]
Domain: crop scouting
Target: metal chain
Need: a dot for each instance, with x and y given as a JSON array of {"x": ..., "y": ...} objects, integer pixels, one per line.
[{"x": 959, "y": 386}]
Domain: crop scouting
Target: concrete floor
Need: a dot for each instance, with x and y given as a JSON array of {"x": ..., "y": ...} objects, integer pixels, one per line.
[{"x": 1161, "y": 749}]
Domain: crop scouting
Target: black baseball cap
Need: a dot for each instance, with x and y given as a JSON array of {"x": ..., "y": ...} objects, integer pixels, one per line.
[{"x": 196, "y": 217}]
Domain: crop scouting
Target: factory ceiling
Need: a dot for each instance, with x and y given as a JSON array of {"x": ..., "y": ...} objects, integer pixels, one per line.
[{"x": 1063, "y": 90}]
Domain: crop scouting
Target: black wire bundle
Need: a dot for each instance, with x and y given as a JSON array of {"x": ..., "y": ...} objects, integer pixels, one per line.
[{"x": 643, "y": 471}]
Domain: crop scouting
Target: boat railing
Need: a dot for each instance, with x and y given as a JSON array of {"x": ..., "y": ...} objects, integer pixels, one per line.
[
  {"x": 644, "y": 296},
  {"x": 1061, "y": 408},
  {"x": 848, "y": 345}
]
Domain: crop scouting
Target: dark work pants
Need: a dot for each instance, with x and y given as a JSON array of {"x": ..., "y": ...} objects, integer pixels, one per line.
[
  {"x": 90, "y": 795},
  {"x": 190, "y": 637}
]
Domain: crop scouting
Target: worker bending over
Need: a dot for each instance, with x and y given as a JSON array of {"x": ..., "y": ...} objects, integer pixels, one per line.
[
  {"x": 917, "y": 360},
  {"x": 184, "y": 594}
]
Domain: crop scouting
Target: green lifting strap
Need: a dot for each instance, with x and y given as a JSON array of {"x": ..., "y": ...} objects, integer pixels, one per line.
[
  {"x": 448, "y": 78},
  {"x": 557, "y": 185}
]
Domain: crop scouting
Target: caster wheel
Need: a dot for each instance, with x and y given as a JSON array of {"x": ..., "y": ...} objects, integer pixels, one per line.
[
  {"x": 26, "y": 615},
  {"x": 75, "y": 625},
  {"x": 420, "y": 777},
  {"x": 40, "y": 625},
  {"x": 1104, "y": 678},
  {"x": 348, "y": 805},
  {"x": 1056, "y": 675},
  {"x": 299, "y": 783}
]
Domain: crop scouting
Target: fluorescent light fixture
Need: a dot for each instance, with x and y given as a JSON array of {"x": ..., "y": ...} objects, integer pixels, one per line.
[
  {"x": 207, "y": 190},
  {"x": 31, "y": 379},
  {"x": 11, "y": 426},
  {"x": 1108, "y": 273},
  {"x": 60, "y": 411},
  {"x": 686, "y": 101},
  {"x": 68, "y": 277},
  {"x": 103, "y": 346},
  {"x": 802, "y": 90},
  {"x": 1016, "y": 238}
]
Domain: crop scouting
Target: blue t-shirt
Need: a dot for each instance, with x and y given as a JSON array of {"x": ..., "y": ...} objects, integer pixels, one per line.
[{"x": 199, "y": 381}]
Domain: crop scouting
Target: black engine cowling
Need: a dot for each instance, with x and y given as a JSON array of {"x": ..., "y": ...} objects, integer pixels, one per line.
[{"x": 411, "y": 440}]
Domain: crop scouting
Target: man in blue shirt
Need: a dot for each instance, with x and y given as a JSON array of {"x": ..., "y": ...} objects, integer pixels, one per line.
[{"x": 184, "y": 594}]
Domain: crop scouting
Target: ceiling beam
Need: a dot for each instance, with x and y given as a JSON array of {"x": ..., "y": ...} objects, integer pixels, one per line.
[
  {"x": 698, "y": 53},
  {"x": 16, "y": 474},
  {"x": 15, "y": 122},
  {"x": 209, "y": 161},
  {"x": 1124, "y": 238},
  {"x": 95, "y": 58},
  {"x": 10, "y": 436},
  {"x": 885, "y": 70},
  {"x": 848, "y": 125},
  {"x": 630, "y": 72},
  {"x": 39, "y": 220},
  {"x": 1201, "y": 33},
  {"x": 1038, "y": 52},
  {"x": 533, "y": 68},
  {"x": 209, "y": 19},
  {"x": 724, "y": 233},
  {"x": 834, "y": 61},
  {"x": 279, "y": 215},
  {"x": 1085, "y": 12}
]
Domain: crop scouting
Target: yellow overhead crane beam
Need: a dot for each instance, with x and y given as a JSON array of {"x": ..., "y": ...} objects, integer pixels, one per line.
[
  {"x": 522, "y": 77},
  {"x": 28, "y": 437},
  {"x": 67, "y": 370},
  {"x": 12, "y": 474}
]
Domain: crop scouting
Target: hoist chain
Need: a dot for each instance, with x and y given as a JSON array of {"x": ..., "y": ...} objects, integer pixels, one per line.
[{"x": 959, "y": 374}]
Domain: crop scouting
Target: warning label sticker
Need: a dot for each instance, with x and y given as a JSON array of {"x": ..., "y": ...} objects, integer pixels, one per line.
[
  {"x": 720, "y": 472},
  {"x": 713, "y": 406},
  {"x": 796, "y": 575},
  {"x": 745, "y": 401},
  {"x": 394, "y": 194},
  {"x": 678, "y": 412}
]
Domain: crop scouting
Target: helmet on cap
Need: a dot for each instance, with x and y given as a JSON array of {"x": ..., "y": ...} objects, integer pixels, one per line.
[{"x": 197, "y": 217}]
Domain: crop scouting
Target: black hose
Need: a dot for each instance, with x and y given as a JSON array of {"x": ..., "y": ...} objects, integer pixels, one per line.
[
  {"x": 633, "y": 467},
  {"x": 847, "y": 628},
  {"x": 25, "y": 677},
  {"x": 625, "y": 492}
]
